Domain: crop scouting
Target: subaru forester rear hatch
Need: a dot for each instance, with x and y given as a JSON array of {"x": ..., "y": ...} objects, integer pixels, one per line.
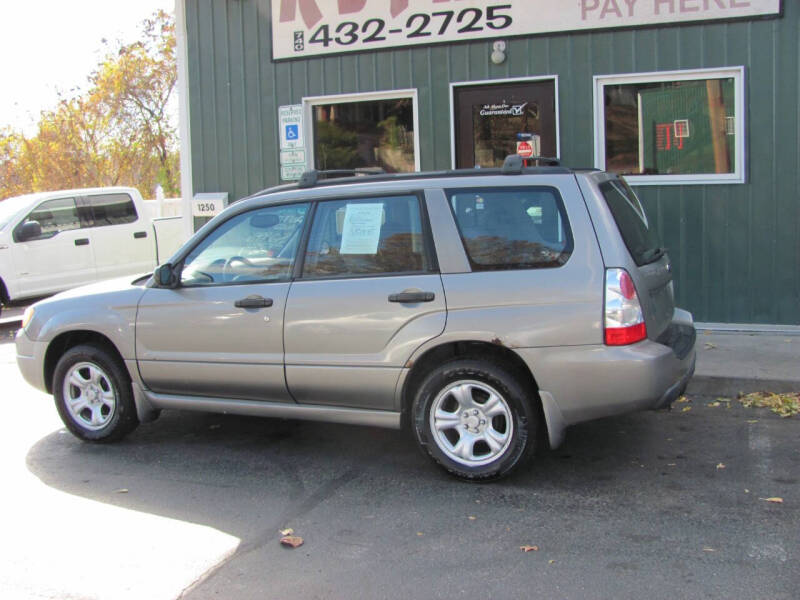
[{"x": 652, "y": 275}]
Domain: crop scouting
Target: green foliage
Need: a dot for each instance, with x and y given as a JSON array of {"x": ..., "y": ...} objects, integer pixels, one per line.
[
  {"x": 119, "y": 132},
  {"x": 336, "y": 147}
]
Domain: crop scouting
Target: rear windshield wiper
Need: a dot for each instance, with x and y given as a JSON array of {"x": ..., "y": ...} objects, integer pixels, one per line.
[{"x": 652, "y": 255}]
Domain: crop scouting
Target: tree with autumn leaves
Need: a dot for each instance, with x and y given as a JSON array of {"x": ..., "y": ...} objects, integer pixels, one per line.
[{"x": 119, "y": 132}]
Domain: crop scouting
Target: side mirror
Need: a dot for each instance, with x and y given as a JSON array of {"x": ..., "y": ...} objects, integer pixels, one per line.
[
  {"x": 165, "y": 276},
  {"x": 30, "y": 230}
]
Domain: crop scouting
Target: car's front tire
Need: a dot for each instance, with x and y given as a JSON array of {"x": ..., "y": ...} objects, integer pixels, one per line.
[
  {"x": 93, "y": 395},
  {"x": 475, "y": 419}
]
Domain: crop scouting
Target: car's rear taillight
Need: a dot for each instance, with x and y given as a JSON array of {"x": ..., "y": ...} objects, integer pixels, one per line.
[{"x": 624, "y": 321}]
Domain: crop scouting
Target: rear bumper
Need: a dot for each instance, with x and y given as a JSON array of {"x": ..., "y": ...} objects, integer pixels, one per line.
[{"x": 581, "y": 383}]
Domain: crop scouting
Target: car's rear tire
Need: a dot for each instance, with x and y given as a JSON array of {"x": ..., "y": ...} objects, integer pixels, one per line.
[
  {"x": 475, "y": 419},
  {"x": 93, "y": 394}
]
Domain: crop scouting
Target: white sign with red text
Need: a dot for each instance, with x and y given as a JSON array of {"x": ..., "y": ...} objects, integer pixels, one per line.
[{"x": 312, "y": 27}]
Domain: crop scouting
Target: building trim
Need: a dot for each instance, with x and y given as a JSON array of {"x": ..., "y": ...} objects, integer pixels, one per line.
[
  {"x": 184, "y": 128},
  {"x": 308, "y": 117},
  {"x": 456, "y": 84},
  {"x": 738, "y": 74}
]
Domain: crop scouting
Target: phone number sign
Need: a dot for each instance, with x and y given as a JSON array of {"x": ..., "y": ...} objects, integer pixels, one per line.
[{"x": 312, "y": 27}]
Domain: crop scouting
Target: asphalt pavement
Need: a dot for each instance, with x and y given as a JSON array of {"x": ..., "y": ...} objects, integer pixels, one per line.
[{"x": 669, "y": 504}]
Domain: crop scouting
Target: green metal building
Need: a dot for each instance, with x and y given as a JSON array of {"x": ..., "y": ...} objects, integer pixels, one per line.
[{"x": 696, "y": 101}]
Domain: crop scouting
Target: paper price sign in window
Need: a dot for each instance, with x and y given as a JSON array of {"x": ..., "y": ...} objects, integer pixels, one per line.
[{"x": 362, "y": 229}]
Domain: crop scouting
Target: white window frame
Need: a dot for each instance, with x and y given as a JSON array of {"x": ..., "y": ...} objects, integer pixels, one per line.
[
  {"x": 737, "y": 73},
  {"x": 488, "y": 82},
  {"x": 310, "y": 102}
]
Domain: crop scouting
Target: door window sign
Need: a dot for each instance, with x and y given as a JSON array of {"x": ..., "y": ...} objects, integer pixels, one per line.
[
  {"x": 362, "y": 228},
  {"x": 290, "y": 129}
]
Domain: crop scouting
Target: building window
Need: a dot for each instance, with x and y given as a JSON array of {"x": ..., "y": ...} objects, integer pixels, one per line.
[
  {"x": 678, "y": 127},
  {"x": 364, "y": 130}
]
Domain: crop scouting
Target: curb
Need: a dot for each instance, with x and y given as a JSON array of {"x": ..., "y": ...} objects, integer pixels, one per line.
[{"x": 708, "y": 385}]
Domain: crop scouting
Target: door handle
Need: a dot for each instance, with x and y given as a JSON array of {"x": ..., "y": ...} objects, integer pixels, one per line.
[
  {"x": 82, "y": 242},
  {"x": 253, "y": 302},
  {"x": 140, "y": 234},
  {"x": 408, "y": 297}
]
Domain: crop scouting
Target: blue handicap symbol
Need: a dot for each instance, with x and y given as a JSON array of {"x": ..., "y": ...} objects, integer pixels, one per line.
[{"x": 292, "y": 132}]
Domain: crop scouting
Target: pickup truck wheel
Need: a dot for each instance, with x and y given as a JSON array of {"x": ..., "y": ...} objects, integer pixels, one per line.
[
  {"x": 474, "y": 419},
  {"x": 93, "y": 395}
]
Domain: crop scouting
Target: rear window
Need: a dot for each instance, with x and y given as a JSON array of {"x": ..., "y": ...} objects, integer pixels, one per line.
[
  {"x": 112, "y": 209},
  {"x": 512, "y": 228},
  {"x": 638, "y": 234}
]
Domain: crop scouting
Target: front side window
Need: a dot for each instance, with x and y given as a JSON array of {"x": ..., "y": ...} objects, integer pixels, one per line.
[
  {"x": 373, "y": 236},
  {"x": 256, "y": 246},
  {"x": 112, "y": 209},
  {"x": 55, "y": 216},
  {"x": 681, "y": 127},
  {"x": 364, "y": 133},
  {"x": 512, "y": 228}
]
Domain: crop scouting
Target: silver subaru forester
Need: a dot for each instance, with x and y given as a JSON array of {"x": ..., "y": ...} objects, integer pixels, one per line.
[{"x": 486, "y": 310}]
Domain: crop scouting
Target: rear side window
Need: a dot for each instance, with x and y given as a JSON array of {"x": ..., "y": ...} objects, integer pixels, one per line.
[
  {"x": 369, "y": 236},
  {"x": 112, "y": 209},
  {"x": 638, "y": 234},
  {"x": 512, "y": 228}
]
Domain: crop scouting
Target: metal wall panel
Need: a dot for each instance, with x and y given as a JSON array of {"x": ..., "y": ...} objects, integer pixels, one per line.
[{"x": 735, "y": 248}]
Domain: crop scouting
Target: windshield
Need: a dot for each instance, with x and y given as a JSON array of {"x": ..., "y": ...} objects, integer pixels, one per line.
[
  {"x": 10, "y": 207},
  {"x": 639, "y": 235}
]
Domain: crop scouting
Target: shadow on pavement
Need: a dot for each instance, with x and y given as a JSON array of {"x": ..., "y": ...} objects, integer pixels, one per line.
[{"x": 634, "y": 497}]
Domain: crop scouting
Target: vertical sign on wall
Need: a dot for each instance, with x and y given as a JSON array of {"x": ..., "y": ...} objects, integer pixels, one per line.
[{"x": 290, "y": 130}]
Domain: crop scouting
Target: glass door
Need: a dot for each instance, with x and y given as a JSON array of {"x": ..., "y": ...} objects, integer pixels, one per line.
[{"x": 490, "y": 117}]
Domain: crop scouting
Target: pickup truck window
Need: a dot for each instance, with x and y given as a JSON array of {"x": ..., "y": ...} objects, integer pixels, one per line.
[
  {"x": 512, "y": 228},
  {"x": 112, "y": 209},
  {"x": 55, "y": 216},
  {"x": 256, "y": 246}
]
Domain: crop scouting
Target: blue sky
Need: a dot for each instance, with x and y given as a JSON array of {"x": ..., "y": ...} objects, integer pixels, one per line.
[{"x": 52, "y": 45}]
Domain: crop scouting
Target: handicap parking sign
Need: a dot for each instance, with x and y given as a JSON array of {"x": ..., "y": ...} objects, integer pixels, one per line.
[{"x": 292, "y": 131}]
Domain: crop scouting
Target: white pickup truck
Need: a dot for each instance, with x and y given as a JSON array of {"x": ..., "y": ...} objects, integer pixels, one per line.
[{"x": 52, "y": 241}]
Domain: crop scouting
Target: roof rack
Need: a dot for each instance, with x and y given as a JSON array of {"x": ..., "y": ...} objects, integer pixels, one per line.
[
  {"x": 514, "y": 163},
  {"x": 312, "y": 176}
]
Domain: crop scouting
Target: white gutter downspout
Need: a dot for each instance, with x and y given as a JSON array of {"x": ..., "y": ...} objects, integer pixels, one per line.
[{"x": 184, "y": 130}]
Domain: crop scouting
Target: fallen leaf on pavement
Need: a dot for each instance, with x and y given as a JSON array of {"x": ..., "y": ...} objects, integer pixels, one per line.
[
  {"x": 714, "y": 404},
  {"x": 720, "y": 465},
  {"x": 774, "y": 500},
  {"x": 683, "y": 399},
  {"x": 710, "y": 346},
  {"x": 550, "y": 562},
  {"x": 471, "y": 518},
  {"x": 527, "y": 548},
  {"x": 686, "y": 409},
  {"x": 419, "y": 533},
  {"x": 784, "y": 405},
  {"x": 291, "y": 541},
  {"x": 121, "y": 491},
  {"x": 287, "y": 531}
]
